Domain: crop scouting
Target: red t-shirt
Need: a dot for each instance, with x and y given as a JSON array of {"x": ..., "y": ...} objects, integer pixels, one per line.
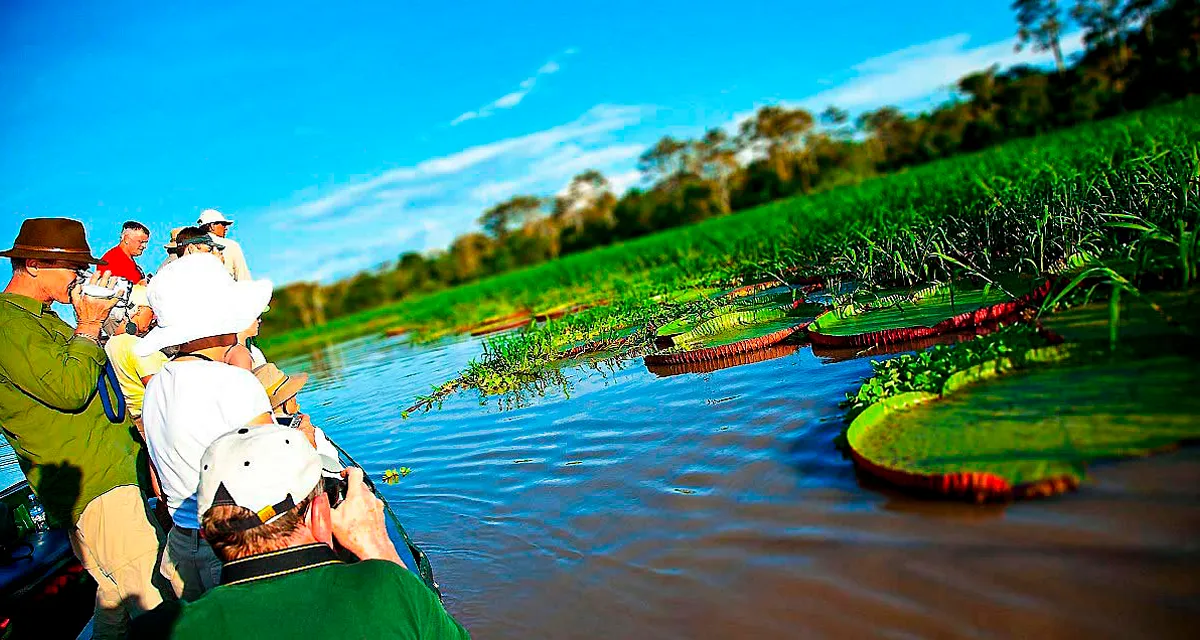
[{"x": 121, "y": 265}]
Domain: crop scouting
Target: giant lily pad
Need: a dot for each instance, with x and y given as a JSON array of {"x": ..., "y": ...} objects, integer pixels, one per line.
[
  {"x": 931, "y": 312},
  {"x": 1030, "y": 432},
  {"x": 781, "y": 300},
  {"x": 725, "y": 362},
  {"x": 734, "y": 333}
]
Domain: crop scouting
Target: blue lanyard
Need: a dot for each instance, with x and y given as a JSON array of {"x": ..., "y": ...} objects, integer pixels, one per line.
[{"x": 108, "y": 384}]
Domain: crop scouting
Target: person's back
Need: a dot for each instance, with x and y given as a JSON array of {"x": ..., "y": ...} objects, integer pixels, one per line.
[
  {"x": 369, "y": 599},
  {"x": 188, "y": 404}
]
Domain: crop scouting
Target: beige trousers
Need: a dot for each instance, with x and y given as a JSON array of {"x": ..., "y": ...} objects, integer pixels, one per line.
[
  {"x": 189, "y": 564},
  {"x": 117, "y": 541}
]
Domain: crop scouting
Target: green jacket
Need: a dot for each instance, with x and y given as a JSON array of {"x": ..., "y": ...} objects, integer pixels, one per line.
[
  {"x": 306, "y": 592},
  {"x": 51, "y": 414}
]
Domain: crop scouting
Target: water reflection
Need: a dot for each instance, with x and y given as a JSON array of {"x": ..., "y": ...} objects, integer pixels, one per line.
[{"x": 623, "y": 504}]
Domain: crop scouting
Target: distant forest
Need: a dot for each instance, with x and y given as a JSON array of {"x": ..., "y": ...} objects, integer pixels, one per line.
[{"x": 1138, "y": 53}]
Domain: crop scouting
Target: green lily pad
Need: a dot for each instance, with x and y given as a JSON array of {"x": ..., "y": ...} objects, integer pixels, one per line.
[
  {"x": 781, "y": 300},
  {"x": 997, "y": 434},
  {"x": 930, "y": 312}
]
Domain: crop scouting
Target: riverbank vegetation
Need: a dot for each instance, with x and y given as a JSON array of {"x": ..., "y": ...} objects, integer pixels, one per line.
[
  {"x": 821, "y": 171},
  {"x": 1064, "y": 266}
]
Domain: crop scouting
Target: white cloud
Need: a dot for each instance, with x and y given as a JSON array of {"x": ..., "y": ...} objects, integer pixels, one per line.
[
  {"x": 463, "y": 117},
  {"x": 513, "y": 98},
  {"x": 621, "y": 182},
  {"x": 926, "y": 70},
  {"x": 918, "y": 75},
  {"x": 558, "y": 168},
  {"x": 448, "y": 192}
]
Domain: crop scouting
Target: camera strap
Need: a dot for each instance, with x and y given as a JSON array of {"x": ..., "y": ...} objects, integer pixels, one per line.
[{"x": 108, "y": 384}]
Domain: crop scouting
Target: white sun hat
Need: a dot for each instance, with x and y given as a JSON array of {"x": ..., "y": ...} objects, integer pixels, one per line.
[
  {"x": 194, "y": 297},
  {"x": 266, "y": 469},
  {"x": 209, "y": 216}
]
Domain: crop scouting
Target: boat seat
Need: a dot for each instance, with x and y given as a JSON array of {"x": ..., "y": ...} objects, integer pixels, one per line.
[{"x": 19, "y": 570}]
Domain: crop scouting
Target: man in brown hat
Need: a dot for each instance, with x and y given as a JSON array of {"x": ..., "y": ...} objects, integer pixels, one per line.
[{"x": 83, "y": 467}]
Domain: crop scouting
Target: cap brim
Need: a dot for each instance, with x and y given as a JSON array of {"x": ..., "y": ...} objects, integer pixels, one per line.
[
  {"x": 246, "y": 303},
  {"x": 331, "y": 466}
]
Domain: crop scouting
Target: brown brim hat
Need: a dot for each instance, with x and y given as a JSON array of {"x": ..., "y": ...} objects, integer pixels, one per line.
[
  {"x": 52, "y": 239},
  {"x": 278, "y": 385},
  {"x": 174, "y": 234}
]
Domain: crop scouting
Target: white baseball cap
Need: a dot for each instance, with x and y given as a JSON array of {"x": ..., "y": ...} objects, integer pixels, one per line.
[
  {"x": 195, "y": 297},
  {"x": 209, "y": 216},
  {"x": 266, "y": 469}
]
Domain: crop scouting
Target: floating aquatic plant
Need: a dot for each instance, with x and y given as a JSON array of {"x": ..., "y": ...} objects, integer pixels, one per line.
[
  {"x": 392, "y": 476},
  {"x": 999, "y": 431}
]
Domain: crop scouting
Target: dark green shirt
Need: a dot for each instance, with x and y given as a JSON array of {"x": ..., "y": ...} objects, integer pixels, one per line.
[
  {"x": 306, "y": 592},
  {"x": 51, "y": 414}
]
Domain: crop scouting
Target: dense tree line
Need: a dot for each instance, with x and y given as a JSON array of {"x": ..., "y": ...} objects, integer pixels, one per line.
[{"x": 1138, "y": 53}]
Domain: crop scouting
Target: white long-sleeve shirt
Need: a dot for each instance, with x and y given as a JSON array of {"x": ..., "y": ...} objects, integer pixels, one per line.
[{"x": 232, "y": 256}]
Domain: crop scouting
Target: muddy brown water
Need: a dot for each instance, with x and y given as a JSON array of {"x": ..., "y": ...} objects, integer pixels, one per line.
[{"x": 716, "y": 505}]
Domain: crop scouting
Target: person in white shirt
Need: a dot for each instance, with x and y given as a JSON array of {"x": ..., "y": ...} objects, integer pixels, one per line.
[
  {"x": 216, "y": 224},
  {"x": 196, "y": 397}
]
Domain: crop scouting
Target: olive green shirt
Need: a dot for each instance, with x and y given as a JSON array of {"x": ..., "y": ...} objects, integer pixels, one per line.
[
  {"x": 306, "y": 592},
  {"x": 51, "y": 414}
]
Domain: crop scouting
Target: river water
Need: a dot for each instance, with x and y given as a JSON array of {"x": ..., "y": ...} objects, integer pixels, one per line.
[{"x": 716, "y": 505}]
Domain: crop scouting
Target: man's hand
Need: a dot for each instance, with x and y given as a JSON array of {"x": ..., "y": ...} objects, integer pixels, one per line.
[
  {"x": 358, "y": 522},
  {"x": 91, "y": 312},
  {"x": 306, "y": 427}
]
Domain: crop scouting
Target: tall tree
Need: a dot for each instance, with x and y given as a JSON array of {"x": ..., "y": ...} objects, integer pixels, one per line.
[
  {"x": 717, "y": 157},
  {"x": 669, "y": 160},
  {"x": 777, "y": 132},
  {"x": 570, "y": 207},
  {"x": 513, "y": 213},
  {"x": 1039, "y": 23}
]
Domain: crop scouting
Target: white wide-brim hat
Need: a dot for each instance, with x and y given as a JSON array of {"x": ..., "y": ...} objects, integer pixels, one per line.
[
  {"x": 209, "y": 216},
  {"x": 194, "y": 297}
]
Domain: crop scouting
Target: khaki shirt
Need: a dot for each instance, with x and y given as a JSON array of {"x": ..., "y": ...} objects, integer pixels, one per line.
[{"x": 51, "y": 414}]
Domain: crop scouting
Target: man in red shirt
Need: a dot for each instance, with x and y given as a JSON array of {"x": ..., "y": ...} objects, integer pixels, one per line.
[{"x": 134, "y": 238}]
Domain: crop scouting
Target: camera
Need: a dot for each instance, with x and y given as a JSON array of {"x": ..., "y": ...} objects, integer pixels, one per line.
[
  {"x": 121, "y": 288},
  {"x": 333, "y": 484},
  {"x": 335, "y": 488}
]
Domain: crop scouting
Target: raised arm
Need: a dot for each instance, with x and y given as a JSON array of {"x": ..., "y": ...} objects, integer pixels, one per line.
[{"x": 61, "y": 375}]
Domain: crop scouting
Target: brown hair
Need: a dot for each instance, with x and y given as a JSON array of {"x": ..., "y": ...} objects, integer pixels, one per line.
[
  {"x": 187, "y": 233},
  {"x": 229, "y": 543}
]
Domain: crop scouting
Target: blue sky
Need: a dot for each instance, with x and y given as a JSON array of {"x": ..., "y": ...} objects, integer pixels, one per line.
[{"x": 339, "y": 135}]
